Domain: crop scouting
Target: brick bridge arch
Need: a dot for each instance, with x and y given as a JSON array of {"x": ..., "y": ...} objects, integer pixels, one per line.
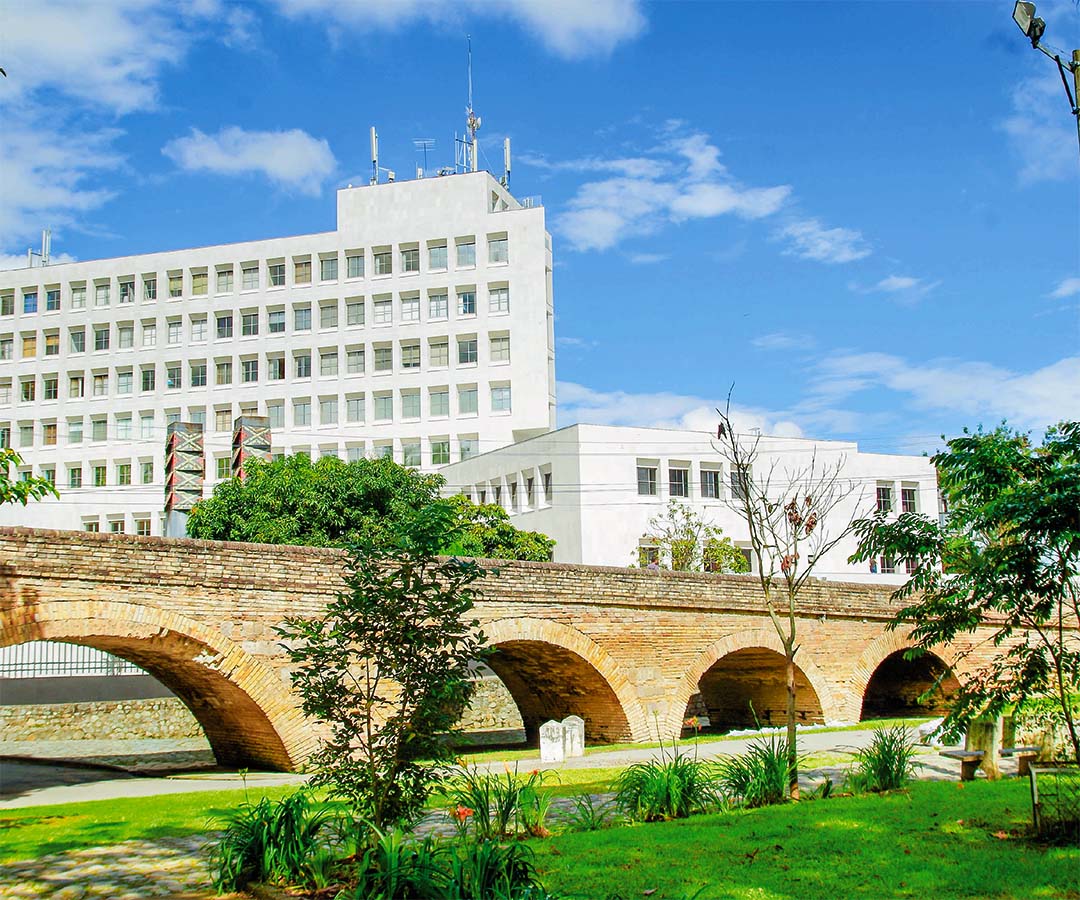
[
  {"x": 553, "y": 670},
  {"x": 884, "y": 684},
  {"x": 247, "y": 712}
]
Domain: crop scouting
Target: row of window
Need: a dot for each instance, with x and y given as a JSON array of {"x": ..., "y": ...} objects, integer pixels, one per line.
[
  {"x": 116, "y": 525},
  {"x": 517, "y": 492},
  {"x": 225, "y": 279},
  {"x": 886, "y": 500},
  {"x": 228, "y": 325},
  {"x": 710, "y": 483},
  {"x": 276, "y": 367}
]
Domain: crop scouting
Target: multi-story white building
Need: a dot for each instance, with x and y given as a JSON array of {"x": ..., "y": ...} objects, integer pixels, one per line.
[
  {"x": 595, "y": 488},
  {"x": 421, "y": 328}
]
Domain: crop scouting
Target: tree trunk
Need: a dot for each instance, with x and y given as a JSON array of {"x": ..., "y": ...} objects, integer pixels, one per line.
[{"x": 793, "y": 755}]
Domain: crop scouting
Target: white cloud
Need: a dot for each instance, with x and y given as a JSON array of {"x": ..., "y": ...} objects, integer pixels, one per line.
[
  {"x": 780, "y": 340},
  {"x": 903, "y": 288},
  {"x": 1040, "y": 130},
  {"x": 576, "y": 343},
  {"x": 578, "y": 403},
  {"x": 810, "y": 239},
  {"x": 292, "y": 158},
  {"x": 568, "y": 28},
  {"x": 1069, "y": 287},
  {"x": 646, "y": 259},
  {"x": 19, "y": 260}
]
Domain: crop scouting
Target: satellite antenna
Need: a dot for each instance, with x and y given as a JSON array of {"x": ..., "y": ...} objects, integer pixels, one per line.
[
  {"x": 472, "y": 121},
  {"x": 374, "y": 156},
  {"x": 422, "y": 145}
]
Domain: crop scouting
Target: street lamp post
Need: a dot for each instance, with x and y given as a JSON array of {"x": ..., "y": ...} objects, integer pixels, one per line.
[{"x": 1033, "y": 28}]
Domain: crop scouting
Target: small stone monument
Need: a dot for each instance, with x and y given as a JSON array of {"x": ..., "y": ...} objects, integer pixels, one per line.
[
  {"x": 552, "y": 742},
  {"x": 574, "y": 731}
]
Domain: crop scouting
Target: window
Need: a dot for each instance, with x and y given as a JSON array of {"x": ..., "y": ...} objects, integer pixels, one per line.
[
  {"x": 648, "y": 555},
  {"x": 410, "y": 404},
  {"x": 328, "y": 315},
  {"x": 249, "y": 324},
  {"x": 99, "y": 430},
  {"x": 439, "y": 354},
  {"x": 354, "y": 265},
  {"x": 199, "y": 283},
  {"x": 26, "y": 439},
  {"x": 437, "y": 257},
  {"x": 101, "y": 385},
  {"x": 127, "y": 291},
  {"x": 384, "y": 262},
  {"x": 225, "y": 280},
  {"x": 76, "y": 386},
  {"x": 277, "y": 274},
  {"x": 303, "y": 365},
  {"x": 410, "y": 453},
  {"x": 909, "y": 499},
  {"x": 29, "y": 346},
  {"x": 499, "y": 300},
  {"x": 276, "y": 413},
  {"x": 438, "y": 305},
  {"x": 78, "y": 298},
  {"x": 48, "y": 434},
  {"x": 710, "y": 484},
  {"x": 466, "y": 351},
  {"x": 249, "y": 370},
  {"x": 328, "y": 363},
  {"x": 354, "y": 361},
  {"x": 887, "y": 565},
  {"x": 142, "y": 526},
  {"x": 354, "y": 312},
  {"x": 439, "y": 404},
  {"x": 149, "y": 334},
  {"x": 884, "y": 498},
  {"x": 223, "y": 372},
  {"x": 275, "y": 368},
  {"x": 149, "y": 287},
  {"x": 198, "y": 375},
  {"x": 28, "y": 390},
  {"x": 50, "y": 387},
  {"x": 301, "y": 412},
  {"x": 52, "y": 343},
  {"x": 123, "y": 474},
  {"x": 174, "y": 332},
  {"x": 52, "y": 300},
  {"x": 500, "y": 348},
  {"x": 101, "y": 338},
  {"x": 125, "y": 382},
  {"x": 146, "y": 426},
  {"x": 223, "y": 419},
  {"x": 302, "y": 318},
  {"x": 678, "y": 482},
  {"x": 646, "y": 481},
  {"x": 468, "y": 447},
  {"x": 223, "y": 467},
  {"x": 148, "y": 378},
  {"x": 328, "y": 411},
  {"x": 92, "y": 526},
  {"x": 467, "y": 400},
  {"x": 739, "y": 480},
  {"x": 29, "y": 302},
  {"x": 466, "y": 303},
  {"x": 410, "y": 309},
  {"x": 176, "y": 285},
  {"x": 125, "y": 338},
  {"x": 75, "y": 476},
  {"x": 101, "y": 294},
  {"x": 75, "y": 431},
  {"x": 7, "y": 348},
  {"x": 410, "y": 356},
  {"x": 249, "y": 277},
  {"x": 172, "y": 378},
  {"x": 500, "y": 399},
  {"x": 466, "y": 253},
  {"x": 224, "y": 326},
  {"x": 275, "y": 320},
  {"x": 302, "y": 271},
  {"x": 440, "y": 452},
  {"x": 497, "y": 250},
  {"x": 384, "y": 407},
  {"x": 384, "y": 311},
  {"x": 78, "y": 341},
  {"x": 384, "y": 359},
  {"x": 198, "y": 331},
  {"x": 354, "y": 409},
  {"x": 410, "y": 260}
]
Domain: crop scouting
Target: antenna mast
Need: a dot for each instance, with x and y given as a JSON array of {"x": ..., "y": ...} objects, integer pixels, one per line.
[{"x": 472, "y": 121}]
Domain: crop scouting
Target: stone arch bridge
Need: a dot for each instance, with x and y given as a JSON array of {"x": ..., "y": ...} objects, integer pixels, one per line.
[{"x": 631, "y": 651}]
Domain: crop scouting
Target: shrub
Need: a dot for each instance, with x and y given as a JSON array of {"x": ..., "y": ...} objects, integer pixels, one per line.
[
  {"x": 270, "y": 841},
  {"x": 487, "y": 870},
  {"x": 761, "y": 776},
  {"x": 671, "y": 787},
  {"x": 586, "y": 814},
  {"x": 499, "y": 806},
  {"x": 887, "y": 764}
]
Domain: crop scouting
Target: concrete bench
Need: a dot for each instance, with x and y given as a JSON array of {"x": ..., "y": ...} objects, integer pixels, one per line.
[
  {"x": 1024, "y": 757},
  {"x": 969, "y": 761}
]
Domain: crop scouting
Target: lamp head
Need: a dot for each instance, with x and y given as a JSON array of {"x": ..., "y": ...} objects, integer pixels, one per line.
[{"x": 1026, "y": 20}]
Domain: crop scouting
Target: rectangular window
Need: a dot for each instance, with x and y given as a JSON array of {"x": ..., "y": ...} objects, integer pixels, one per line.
[
  {"x": 710, "y": 484},
  {"x": 646, "y": 481},
  {"x": 466, "y": 351},
  {"x": 50, "y": 387},
  {"x": 884, "y": 498},
  {"x": 101, "y": 294},
  {"x": 92, "y": 527},
  {"x": 354, "y": 409},
  {"x": 29, "y": 302},
  {"x": 127, "y": 291},
  {"x": 224, "y": 326},
  {"x": 497, "y": 250},
  {"x": 466, "y": 303},
  {"x": 76, "y": 386},
  {"x": 78, "y": 341},
  {"x": 301, "y": 412},
  {"x": 328, "y": 363},
  {"x": 174, "y": 333},
  {"x": 223, "y": 468},
  {"x": 410, "y": 454},
  {"x": 75, "y": 477},
  {"x": 149, "y": 288},
  {"x": 469, "y": 447},
  {"x": 101, "y": 338},
  {"x": 467, "y": 401},
  {"x": 173, "y": 379},
  {"x": 101, "y": 385},
  {"x": 410, "y": 404},
  {"x": 354, "y": 264},
  {"x": 48, "y": 434},
  {"x": 275, "y": 321},
  {"x": 146, "y": 426},
  {"x": 123, "y": 475},
  {"x": 52, "y": 300},
  {"x": 440, "y": 452},
  {"x": 303, "y": 365},
  {"x": 439, "y": 402},
  {"x": 384, "y": 359},
  {"x": 99, "y": 430},
  {"x": 384, "y": 407},
  {"x": 439, "y": 354},
  {"x": 176, "y": 285},
  {"x": 199, "y": 284},
  {"x": 500, "y": 348},
  {"x": 739, "y": 479},
  {"x": 7, "y": 348},
  {"x": 124, "y": 382},
  {"x": 125, "y": 338},
  {"x": 249, "y": 370},
  {"x": 328, "y": 411},
  {"x": 28, "y": 390},
  {"x": 276, "y": 413},
  {"x": 198, "y": 331},
  {"x": 354, "y": 312},
  {"x": 223, "y": 419},
  {"x": 302, "y": 318},
  {"x": 384, "y": 312},
  {"x": 275, "y": 368},
  {"x": 888, "y": 565},
  {"x": 249, "y": 324},
  {"x": 678, "y": 482},
  {"x": 354, "y": 361},
  {"x": 277, "y": 274},
  {"x": 302, "y": 271},
  {"x": 198, "y": 375},
  {"x": 410, "y": 356},
  {"x": 75, "y": 431},
  {"x": 437, "y": 257},
  {"x": 909, "y": 499},
  {"x": 149, "y": 334},
  {"x": 500, "y": 399},
  {"x": 148, "y": 378},
  {"x": 249, "y": 277},
  {"x": 328, "y": 315},
  {"x": 499, "y": 300},
  {"x": 29, "y": 346},
  {"x": 466, "y": 253},
  {"x": 52, "y": 344},
  {"x": 410, "y": 309},
  {"x": 223, "y": 372},
  {"x": 26, "y": 439},
  {"x": 384, "y": 262},
  {"x": 78, "y": 298},
  {"x": 410, "y": 260},
  {"x": 438, "y": 305},
  {"x": 225, "y": 280},
  {"x": 142, "y": 526}
]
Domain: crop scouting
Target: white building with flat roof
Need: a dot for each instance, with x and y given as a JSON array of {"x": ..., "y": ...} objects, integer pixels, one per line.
[
  {"x": 594, "y": 489},
  {"x": 421, "y": 328}
]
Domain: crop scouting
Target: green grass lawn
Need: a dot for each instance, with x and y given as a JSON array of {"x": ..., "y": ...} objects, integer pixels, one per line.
[{"x": 939, "y": 840}]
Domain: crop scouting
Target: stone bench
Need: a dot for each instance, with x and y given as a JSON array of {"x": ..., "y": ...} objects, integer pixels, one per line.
[
  {"x": 1024, "y": 757},
  {"x": 969, "y": 761}
]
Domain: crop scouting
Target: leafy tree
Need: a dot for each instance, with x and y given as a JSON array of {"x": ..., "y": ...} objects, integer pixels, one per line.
[
  {"x": 1007, "y": 556},
  {"x": 386, "y": 667},
  {"x": 16, "y": 490},
  {"x": 792, "y": 516},
  {"x": 688, "y": 543},
  {"x": 486, "y": 532}
]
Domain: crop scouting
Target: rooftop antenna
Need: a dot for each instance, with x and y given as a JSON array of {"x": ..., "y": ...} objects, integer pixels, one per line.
[
  {"x": 423, "y": 145},
  {"x": 472, "y": 121},
  {"x": 374, "y": 156},
  {"x": 506, "y": 163},
  {"x": 46, "y": 249}
]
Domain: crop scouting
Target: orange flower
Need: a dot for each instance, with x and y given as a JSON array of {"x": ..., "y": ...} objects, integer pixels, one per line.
[{"x": 461, "y": 813}]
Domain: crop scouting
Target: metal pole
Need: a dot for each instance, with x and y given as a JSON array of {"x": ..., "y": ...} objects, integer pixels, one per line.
[{"x": 1076, "y": 90}]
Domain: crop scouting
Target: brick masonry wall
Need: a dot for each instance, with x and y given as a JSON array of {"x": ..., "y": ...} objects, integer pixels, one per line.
[{"x": 624, "y": 648}]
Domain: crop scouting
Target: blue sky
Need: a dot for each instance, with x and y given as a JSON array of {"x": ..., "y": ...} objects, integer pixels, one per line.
[{"x": 864, "y": 215}]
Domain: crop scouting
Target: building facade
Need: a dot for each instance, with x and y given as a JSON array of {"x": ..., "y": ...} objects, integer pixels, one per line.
[
  {"x": 595, "y": 488},
  {"x": 421, "y": 328}
]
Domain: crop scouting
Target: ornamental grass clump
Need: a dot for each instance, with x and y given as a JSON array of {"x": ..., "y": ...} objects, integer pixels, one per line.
[
  {"x": 759, "y": 777},
  {"x": 496, "y": 806},
  {"x": 673, "y": 786},
  {"x": 887, "y": 764}
]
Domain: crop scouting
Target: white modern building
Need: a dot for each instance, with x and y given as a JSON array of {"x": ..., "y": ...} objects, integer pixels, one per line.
[
  {"x": 595, "y": 488},
  {"x": 421, "y": 328}
]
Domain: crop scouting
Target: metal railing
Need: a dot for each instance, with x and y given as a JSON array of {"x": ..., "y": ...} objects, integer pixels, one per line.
[{"x": 49, "y": 659}]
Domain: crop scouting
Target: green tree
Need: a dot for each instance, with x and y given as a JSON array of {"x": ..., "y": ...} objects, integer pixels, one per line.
[
  {"x": 486, "y": 532},
  {"x": 1005, "y": 555},
  {"x": 21, "y": 490},
  {"x": 685, "y": 542},
  {"x": 386, "y": 667}
]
